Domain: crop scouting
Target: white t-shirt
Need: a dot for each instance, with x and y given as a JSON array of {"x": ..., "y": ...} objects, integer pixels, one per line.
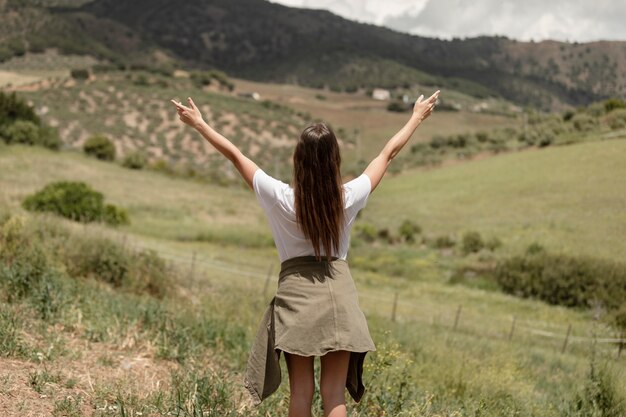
[{"x": 277, "y": 199}]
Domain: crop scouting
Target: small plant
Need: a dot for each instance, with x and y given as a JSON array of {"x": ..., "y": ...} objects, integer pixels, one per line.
[
  {"x": 11, "y": 343},
  {"x": 443, "y": 242},
  {"x": 472, "y": 242},
  {"x": 367, "y": 232},
  {"x": 101, "y": 147},
  {"x": 493, "y": 243},
  {"x": 408, "y": 230},
  {"x": 134, "y": 160},
  {"x": 76, "y": 201},
  {"x": 534, "y": 248}
]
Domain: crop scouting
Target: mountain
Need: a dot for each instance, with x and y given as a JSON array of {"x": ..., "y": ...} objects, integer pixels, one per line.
[{"x": 263, "y": 41}]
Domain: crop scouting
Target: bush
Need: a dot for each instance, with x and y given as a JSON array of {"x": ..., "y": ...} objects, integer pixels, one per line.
[
  {"x": 29, "y": 133},
  {"x": 472, "y": 242},
  {"x": 442, "y": 242},
  {"x": 79, "y": 74},
  {"x": 100, "y": 147},
  {"x": 617, "y": 119},
  {"x": 408, "y": 230},
  {"x": 22, "y": 131},
  {"x": 134, "y": 160},
  {"x": 13, "y": 108},
  {"x": 75, "y": 201},
  {"x": 534, "y": 248},
  {"x": 584, "y": 122},
  {"x": 396, "y": 106},
  {"x": 367, "y": 232},
  {"x": 493, "y": 243},
  {"x": 49, "y": 138},
  {"x": 614, "y": 103},
  {"x": 564, "y": 280}
]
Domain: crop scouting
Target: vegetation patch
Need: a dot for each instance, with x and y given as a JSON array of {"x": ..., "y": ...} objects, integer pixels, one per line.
[{"x": 76, "y": 201}]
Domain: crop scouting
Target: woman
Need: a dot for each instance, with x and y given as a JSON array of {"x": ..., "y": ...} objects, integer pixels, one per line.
[{"x": 315, "y": 311}]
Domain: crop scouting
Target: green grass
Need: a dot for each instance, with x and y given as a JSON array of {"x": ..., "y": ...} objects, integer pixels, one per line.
[
  {"x": 423, "y": 366},
  {"x": 568, "y": 199}
]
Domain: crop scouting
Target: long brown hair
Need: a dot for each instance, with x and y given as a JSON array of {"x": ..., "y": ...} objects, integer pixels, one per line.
[{"x": 318, "y": 190}]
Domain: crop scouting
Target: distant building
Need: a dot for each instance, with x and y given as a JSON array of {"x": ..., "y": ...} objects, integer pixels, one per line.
[
  {"x": 254, "y": 95},
  {"x": 381, "y": 94}
]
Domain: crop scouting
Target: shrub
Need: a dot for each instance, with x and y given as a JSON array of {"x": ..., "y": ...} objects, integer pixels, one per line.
[
  {"x": 614, "y": 103},
  {"x": 384, "y": 234},
  {"x": 408, "y": 230},
  {"x": 617, "y": 119},
  {"x": 367, "y": 232},
  {"x": 21, "y": 131},
  {"x": 564, "y": 280},
  {"x": 493, "y": 243},
  {"x": 584, "y": 122},
  {"x": 13, "y": 108},
  {"x": 75, "y": 201},
  {"x": 442, "y": 242},
  {"x": 534, "y": 248},
  {"x": 100, "y": 147},
  {"x": 49, "y": 138},
  {"x": 134, "y": 160},
  {"x": 29, "y": 133},
  {"x": 79, "y": 74},
  {"x": 396, "y": 106},
  {"x": 114, "y": 215},
  {"x": 472, "y": 242}
]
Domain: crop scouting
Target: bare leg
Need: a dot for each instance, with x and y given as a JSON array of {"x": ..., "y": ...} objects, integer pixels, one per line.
[
  {"x": 333, "y": 383},
  {"x": 301, "y": 384}
]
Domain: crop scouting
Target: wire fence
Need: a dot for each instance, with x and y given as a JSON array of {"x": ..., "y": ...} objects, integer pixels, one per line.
[{"x": 464, "y": 318}]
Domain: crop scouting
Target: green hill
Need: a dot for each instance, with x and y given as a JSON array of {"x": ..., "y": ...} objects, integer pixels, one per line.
[
  {"x": 440, "y": 356},
  {"x": 568, "y": 198},
  {"x": 259, "y": 40}
]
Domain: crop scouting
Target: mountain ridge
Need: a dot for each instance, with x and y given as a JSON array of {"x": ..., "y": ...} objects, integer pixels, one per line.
[{"x": 270, "y": 42}]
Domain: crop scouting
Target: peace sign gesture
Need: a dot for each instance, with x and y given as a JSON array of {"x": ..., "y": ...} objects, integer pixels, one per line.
[{"x": 189, "y": 115}]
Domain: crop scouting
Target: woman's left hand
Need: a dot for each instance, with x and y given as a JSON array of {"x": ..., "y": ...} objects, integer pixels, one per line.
[{"x": 189, "y": 115}]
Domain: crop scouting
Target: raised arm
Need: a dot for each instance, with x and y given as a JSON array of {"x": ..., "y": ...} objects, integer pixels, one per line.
[
  {"x": 377, "y": 168},
  {"x": 191, "y": 115}
]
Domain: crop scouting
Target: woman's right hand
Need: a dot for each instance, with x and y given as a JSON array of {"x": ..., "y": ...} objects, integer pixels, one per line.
[{"x": 423, "y": 108}]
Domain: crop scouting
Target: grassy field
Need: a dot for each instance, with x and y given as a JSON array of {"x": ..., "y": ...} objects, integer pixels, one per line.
[
  {"x": 217, "y": 241},
  {"x": 568, "y": 199}
]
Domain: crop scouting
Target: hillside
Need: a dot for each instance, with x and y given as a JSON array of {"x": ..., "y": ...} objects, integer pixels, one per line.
[
  {"x": 132, "y": 108},
  {"x": 567, "y": 198},
  {"x": 258, "y": 40},
  {"x": 215, "y": 241}
]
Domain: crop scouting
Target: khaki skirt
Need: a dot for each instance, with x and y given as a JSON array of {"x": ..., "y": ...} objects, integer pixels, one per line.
[{"x": 315, "y": 311}]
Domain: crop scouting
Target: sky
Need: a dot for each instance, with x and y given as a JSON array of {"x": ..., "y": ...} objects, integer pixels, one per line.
[{"x": 564, "y": 20}]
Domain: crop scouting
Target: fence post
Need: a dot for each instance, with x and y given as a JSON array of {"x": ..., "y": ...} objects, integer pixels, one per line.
[
  {"x": 395, "y": 306},
  {"x": 267, "y": 281},
  {"x": 512, "y": 328},
  {"x": 569, "y": 330},
  {"x": 458, "y": 316}
]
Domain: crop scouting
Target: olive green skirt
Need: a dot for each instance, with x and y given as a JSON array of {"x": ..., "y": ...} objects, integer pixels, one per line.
[{"x": 315, "y": 311}]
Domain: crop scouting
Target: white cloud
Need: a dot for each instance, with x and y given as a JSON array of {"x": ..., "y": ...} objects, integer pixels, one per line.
[{"x": 573, "y": 20}]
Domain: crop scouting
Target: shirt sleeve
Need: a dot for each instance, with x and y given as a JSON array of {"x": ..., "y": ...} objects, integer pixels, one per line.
[
  {"x": 357, "y": 192},
  {"x": 268, "y": 190}
]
